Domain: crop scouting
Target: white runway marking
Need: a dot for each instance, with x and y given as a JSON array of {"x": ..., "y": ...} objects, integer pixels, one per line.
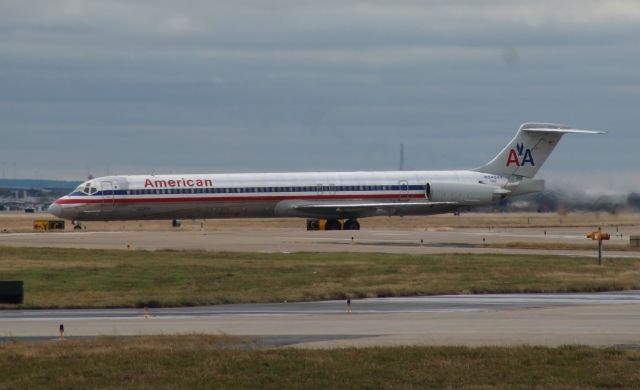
[{"x": 516, "y": 235}]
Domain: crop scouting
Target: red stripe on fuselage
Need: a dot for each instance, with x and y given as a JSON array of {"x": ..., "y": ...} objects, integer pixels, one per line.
[{"x": 236, "y": 198}]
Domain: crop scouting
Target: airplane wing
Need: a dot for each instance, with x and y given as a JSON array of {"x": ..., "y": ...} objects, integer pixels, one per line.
[{"x": 368, "y": 209}]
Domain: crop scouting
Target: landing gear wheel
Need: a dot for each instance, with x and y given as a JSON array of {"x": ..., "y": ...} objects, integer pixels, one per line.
[
  {"x": 351, "y": 224},
  {"x": 332, "y": 224}
]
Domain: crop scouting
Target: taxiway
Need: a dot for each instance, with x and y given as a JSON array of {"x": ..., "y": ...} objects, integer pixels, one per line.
[
  {"x": 459, "y": 240},
  {"x": 601, "y": 319}
]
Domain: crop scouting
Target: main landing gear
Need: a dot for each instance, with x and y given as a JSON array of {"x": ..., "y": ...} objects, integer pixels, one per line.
[
  {"x": 351, "y": 224},
  {"x": 333, "y": 224}
]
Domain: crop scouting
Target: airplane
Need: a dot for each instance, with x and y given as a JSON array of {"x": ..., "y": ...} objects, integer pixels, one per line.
[{"x": 339, "y": 198}]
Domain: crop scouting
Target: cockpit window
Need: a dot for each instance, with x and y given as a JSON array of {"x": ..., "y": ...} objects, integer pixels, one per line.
[{"x": 87, "y": 188}]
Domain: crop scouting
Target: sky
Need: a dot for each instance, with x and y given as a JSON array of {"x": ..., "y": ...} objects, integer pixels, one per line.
[{"x": 136, "y": 87}]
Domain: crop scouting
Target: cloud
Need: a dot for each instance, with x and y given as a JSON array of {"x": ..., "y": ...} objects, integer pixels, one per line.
[{"x": 277, "y": 85}]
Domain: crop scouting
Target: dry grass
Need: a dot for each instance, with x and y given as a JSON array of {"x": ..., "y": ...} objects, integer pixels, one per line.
[
  {"x": 115, "y": 344},
  {"x": 622, "y": 246},
  {"x": 118, "y": 278},
  {"x": 204, "y": 362},
  {"x": 20, "y": 222}
]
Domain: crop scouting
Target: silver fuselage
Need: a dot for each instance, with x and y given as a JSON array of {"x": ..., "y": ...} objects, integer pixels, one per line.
[{"x": 261, "y": 195}]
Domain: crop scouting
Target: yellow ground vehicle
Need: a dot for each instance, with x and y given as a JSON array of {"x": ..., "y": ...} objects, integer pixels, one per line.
[
  {"x": 323, "y": 224},
  {"x": 44, "y": 224}
]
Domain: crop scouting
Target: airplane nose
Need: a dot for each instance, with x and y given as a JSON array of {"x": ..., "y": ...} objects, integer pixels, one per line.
[{"x": 56, "y": 210}]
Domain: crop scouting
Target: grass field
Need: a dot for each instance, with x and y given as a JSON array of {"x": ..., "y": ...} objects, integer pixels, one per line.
[
  {"x": 193, "y": 361},
  {"x": 120, "y": 278}
]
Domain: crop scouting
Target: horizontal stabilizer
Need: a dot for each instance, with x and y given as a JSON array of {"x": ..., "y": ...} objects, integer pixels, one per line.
[{"x": 564, "y": 131}]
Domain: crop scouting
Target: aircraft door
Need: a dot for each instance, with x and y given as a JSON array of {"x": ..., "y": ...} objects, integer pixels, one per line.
[
  {"x": 108, "y": 196},
  {"x": 404, "y": 190}
]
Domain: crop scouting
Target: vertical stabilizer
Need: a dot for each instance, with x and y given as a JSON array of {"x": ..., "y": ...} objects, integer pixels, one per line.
[{"x": 529, "y": 149}]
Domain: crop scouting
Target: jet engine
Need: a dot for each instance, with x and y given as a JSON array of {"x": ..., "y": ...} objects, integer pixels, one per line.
[{"x": 468, "y": 193}]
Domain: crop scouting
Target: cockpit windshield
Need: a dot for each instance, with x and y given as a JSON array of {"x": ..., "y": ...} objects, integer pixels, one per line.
[{"x": 87, "y": 188}]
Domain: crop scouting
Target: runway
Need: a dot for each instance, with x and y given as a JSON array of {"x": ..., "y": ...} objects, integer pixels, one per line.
[
  {"x": 459, "y": 240},
  {"x": 497, "y": 319}
]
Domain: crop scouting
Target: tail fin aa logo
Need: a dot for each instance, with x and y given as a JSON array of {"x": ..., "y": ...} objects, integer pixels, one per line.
[{"x": 520, "y": 157}]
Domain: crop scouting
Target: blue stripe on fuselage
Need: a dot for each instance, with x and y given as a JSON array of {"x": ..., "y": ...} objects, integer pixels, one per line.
[{"x": 255, "y": 190}]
